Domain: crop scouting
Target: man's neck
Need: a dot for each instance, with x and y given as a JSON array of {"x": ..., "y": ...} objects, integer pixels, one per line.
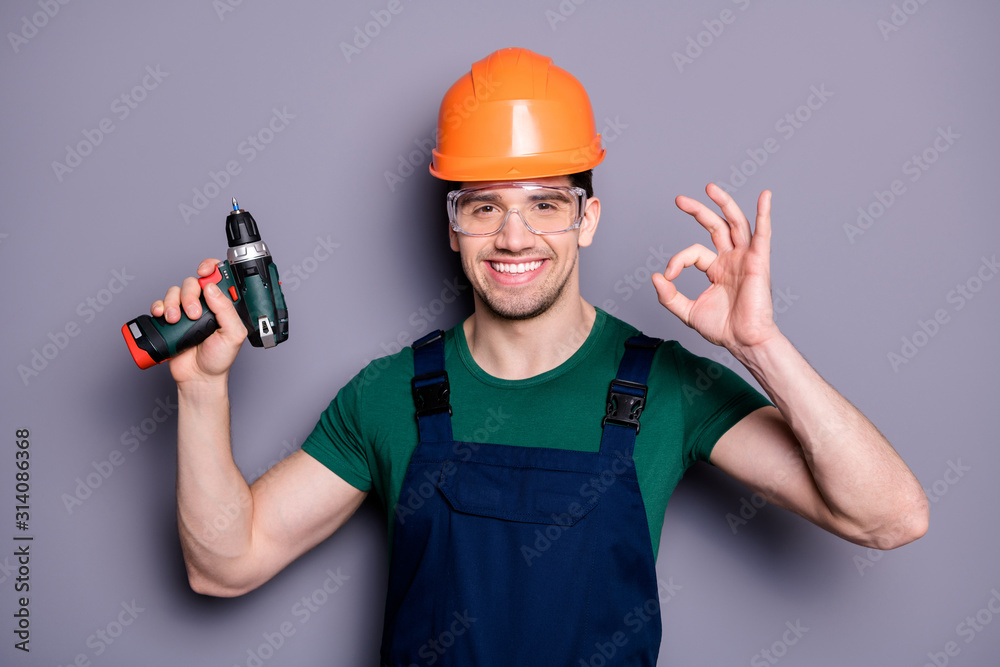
[{"x": 519, "y": 349}]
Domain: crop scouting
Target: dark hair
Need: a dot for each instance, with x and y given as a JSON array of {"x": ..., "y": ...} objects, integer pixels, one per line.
[
  {"x": 582, "y": 179},
  {"x": 585, "y": 180}
]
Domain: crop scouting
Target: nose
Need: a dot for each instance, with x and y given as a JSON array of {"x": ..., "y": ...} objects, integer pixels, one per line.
[{"x": 514, "y": 235}]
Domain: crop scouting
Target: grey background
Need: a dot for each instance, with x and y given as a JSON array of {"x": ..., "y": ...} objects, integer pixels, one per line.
[{"x": 847, "y": 302}]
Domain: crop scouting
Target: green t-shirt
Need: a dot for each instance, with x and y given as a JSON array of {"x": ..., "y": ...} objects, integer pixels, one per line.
[{"x": 368, "y": 433}]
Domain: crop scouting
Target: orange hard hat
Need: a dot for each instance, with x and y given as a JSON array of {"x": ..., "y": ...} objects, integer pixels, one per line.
[{"x": 515, "y": 116}]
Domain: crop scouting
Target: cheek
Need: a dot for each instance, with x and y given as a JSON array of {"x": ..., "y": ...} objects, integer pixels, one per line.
[{"x": 469, "y": 250}]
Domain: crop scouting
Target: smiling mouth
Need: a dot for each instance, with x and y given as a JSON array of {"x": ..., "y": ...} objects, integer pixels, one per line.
[{"x": 514, "y": 268}]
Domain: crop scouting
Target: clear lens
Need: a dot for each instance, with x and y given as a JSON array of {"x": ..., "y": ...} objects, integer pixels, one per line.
[{"x": 544, "y": 209}]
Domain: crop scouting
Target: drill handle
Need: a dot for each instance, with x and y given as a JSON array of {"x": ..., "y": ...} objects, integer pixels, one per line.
[{"x": 152, "y": 340}]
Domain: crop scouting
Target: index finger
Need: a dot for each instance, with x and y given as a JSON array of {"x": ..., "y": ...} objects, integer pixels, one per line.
[{"x": 722, "y": 233}]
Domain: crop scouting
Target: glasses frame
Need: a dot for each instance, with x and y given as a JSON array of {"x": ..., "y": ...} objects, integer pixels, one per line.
[{"x": 579, "y": 193}]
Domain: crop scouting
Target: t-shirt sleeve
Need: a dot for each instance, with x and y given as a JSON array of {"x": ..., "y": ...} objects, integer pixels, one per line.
[
  {"x": 338, "y": 442},
  {"x": 714, "y": 398}
]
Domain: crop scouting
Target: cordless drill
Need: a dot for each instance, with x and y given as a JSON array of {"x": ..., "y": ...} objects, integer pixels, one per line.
[{"x": 248, "y": 277}]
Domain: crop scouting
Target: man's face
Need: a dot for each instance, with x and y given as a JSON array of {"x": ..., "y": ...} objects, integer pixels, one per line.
[{"x": 517, "y": 274}]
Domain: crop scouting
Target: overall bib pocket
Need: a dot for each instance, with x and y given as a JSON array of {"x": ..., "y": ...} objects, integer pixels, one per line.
[{"x": 526, "y": 495}]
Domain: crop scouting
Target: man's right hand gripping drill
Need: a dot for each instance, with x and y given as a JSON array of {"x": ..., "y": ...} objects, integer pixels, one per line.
[{"x": 211, "y": 360}]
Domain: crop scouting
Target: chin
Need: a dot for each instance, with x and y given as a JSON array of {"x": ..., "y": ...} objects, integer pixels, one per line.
[{"x": 518, "y": 309}]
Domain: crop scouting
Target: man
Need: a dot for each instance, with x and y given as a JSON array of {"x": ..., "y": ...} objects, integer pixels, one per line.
[{"x": 526, "y": 499}]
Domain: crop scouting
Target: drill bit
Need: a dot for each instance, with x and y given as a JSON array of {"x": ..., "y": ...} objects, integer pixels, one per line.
[{"x": 236, "y": 206}]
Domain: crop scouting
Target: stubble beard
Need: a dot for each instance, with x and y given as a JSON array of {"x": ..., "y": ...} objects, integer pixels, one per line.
[{"x": 518, "y": 307}]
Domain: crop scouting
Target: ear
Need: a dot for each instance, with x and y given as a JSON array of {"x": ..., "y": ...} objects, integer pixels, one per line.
[
  {"x": 453, "y": 238},
  {"x": 591, "y": 215}
]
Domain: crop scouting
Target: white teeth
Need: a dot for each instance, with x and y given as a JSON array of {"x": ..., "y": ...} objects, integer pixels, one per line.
[{"x": 515, "y": 268}]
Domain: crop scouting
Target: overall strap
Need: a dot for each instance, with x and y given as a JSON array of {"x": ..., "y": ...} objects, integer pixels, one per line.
[
  {"x": 627, "y": 396},
  {"x": 430, "y": 389}
]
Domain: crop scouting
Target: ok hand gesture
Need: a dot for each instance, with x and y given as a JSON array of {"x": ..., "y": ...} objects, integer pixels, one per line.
[{"x": 735, "y": 311}]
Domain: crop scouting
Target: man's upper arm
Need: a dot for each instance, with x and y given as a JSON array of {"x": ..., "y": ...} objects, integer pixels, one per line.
[
  {"x": 762, "y": 452},
  {"x": 297, "y": 504}
]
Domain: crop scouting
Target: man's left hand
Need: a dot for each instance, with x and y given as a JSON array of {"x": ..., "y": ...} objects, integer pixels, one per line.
[{"x": 735, "y": 311}]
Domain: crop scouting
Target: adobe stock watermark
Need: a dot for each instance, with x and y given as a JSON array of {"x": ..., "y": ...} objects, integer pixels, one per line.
[
  {"x": 562, "y": 12},
  {"x": 419, "y": 491},
  {"x": 634, "y": 621},
  {"x": 131, "y": 440},
  {"x": 363, "y": 35},
  {"x": 587, "y": 496},
  {"x": 453, "y": 117},
  {"x": 436, "y": 647},
  {"x": 420, "y": 321},
  {"x": 898, "y": 17},
  {"x": 103, "y": 638},
  {"x": 301, "y": 611},
  {"x": 7, "y": 569},
  {"x": 938, "y": 489},
  {"x": 787, "y": 126},
  {"x": 223, "y": 7},
  {"x": 704, "y": 39},
  {"x": 287, "y": 448},
  {"x": 748, "y": 509},
  {"x": 914, "y": 167},
  {"x": 959, "y": 297},
  {"x": 968, "y": 629},
  {"x": 634, "y": 280},
  {"x": 247, "y": 151},
  {"x": 88, "y": 310},
  {"x": 779, "y": 648},
  {"x": 121, "y": 107},
  {"x": 611, "y": 130},
  {"x": 30, "y": 25},
  {"x": 302, "y": 270}
]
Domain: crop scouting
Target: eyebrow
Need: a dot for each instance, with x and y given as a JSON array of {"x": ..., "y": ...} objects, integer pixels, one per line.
[
  {"x": 560, "y": 196},
  {"x": 490, "y": 197}
]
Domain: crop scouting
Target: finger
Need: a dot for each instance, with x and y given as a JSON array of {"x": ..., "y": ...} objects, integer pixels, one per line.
[
  {"x": 190, "y": 297},
  {"x": 207, "y": 267},
  {"x": 761, "y": 241},
  {"x": 722, "y": 233},
  {"x": 734, "y": 216},
  {"x": 696, "y": 255},
  {"x": 171, "y": 307},
  {"x": 671, "y": 299}
]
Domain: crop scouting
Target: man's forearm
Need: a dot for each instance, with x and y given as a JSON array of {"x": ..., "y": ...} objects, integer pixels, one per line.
[
  {"x": 214, "y": 503},
  {"x": 860, "y": 477}
]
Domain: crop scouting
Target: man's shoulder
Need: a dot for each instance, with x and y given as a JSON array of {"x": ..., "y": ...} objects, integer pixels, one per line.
[{"x": 618, "y": 331}]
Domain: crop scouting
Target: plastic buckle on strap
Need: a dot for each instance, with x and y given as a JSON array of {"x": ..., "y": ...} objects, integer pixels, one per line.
[
  {"x": 428, "y": 339},
  {"x": 430, "y": 393},
  {"x": 643, "y": 342},
  {"x": 624, "y": 408}
]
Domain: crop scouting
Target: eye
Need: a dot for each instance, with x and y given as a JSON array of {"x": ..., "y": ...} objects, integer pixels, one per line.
[
  {"x": 547, "y": 208},
  {"x": 485, "y": 209}
]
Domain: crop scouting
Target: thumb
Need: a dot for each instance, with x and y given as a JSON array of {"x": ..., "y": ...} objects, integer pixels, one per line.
[{"x": 230, "y": 324}]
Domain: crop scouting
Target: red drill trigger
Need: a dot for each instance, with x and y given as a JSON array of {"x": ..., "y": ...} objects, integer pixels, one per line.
[{"x": 216, "y": 278}]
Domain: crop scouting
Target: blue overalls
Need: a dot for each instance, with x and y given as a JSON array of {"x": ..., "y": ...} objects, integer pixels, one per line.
[{"x": 523, "y": 555}]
